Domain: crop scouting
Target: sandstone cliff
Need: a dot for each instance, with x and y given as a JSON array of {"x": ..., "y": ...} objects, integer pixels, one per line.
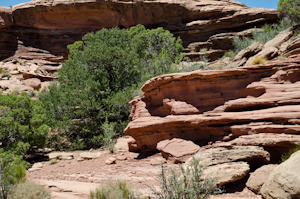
[
  {"x": 255, "y": 105},
  {"x": 52, "y": 25}
]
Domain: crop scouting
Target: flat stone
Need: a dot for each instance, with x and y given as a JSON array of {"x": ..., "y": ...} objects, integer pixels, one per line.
[{"x": 90, "y": 155}]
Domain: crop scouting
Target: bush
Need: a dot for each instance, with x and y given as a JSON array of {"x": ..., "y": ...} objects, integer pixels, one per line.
[
  {"x": 29, "y": 190},
  {"x": 290, "y": 8},
  {"x": 12, "y": 170},
  {"x": 22, "y": 123},
  {"x": 187, "y": 183},
  {"x": 100, "y": 77},
  {"x": 287, "y": 155},
  {"x": 241, "y": 43},
  {"x": 258, "y": 60},
  {"x": 115, "y": 189}
]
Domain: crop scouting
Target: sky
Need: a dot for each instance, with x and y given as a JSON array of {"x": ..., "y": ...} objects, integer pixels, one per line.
[{"x": 250, "y": 3}]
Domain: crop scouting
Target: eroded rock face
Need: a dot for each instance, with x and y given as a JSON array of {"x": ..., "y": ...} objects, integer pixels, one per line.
[
  {"x": 242, "y": 101},
  {"x": 52, "y": 25}
]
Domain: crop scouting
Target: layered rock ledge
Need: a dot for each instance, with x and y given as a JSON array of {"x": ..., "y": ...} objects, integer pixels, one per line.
[
  {"x": 52, "y": 25},
  {"x": 255, "y": 105}
]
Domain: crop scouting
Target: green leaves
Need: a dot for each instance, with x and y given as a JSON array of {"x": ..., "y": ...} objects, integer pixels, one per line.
[
  {"x": 290, "y": 8},
  {"x": 100, "y": 77}
]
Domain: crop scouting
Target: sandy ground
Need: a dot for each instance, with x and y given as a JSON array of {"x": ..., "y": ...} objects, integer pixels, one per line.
[{"x": 71, "y": 179}]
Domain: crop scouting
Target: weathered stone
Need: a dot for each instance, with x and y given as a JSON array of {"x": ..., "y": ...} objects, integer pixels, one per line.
[
  {"x": 259, "y": 177},
  {"x": 35, "y": 83},
  {"x": 227, "y": 172},
  {"x": 283, "y": 182},
  {"x": 60, "y": 155},
  {"x": 249, "y": 51},
  {"x": 177, "y": 150},
  {"x": 90, "y": 155},
  {"x": 111, "y": 160},
  {"x": 219, "y": 155},
  {"x": 36, "y": 166},
  {"x": 282, "y": 37}
]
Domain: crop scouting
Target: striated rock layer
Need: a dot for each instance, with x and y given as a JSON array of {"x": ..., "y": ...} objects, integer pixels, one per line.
[
  {"x": 221, "y": 105},
  {"x": 51, "y": 25}
]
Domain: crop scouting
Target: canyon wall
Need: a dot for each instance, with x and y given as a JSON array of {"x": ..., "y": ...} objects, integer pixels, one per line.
[{"x": 52, "y": 25}]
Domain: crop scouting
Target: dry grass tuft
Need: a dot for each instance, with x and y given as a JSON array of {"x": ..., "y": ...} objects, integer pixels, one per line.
[{"x": 258, "y": 60}]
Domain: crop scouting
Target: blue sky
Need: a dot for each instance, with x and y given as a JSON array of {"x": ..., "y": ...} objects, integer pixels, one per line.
[{"x": 250, "y": 3}]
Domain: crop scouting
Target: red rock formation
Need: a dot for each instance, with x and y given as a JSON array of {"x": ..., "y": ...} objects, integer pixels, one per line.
[
  {"x": 51, "y": 25},
  {"x": 242, "y": 101}
]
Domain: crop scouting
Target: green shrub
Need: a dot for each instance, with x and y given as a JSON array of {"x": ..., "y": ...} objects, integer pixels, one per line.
[
  {"x": 29, "y": 190},
  {"x": 22, "y": 122},
  {"x": 241, "y": 43},
  {"x": 100, "y": 77},
  {"x": 287, "y": 155},
  {"x": 230, "y": 54},
  {"x": 12, "y": 170},
  {"x": 186, "y": 183},
  {"x": 115, "y": 189},
  {"x": 22, "y": 126},
  {"x": 290, "y": 8}
]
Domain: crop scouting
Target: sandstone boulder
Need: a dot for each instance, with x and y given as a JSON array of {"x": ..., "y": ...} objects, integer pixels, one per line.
[
  {"x": 219, "y": 155},
  {"x": 177, "y": 150},
  {"x": 259, "y": 177},
  {"x": 5, "y": 17},
  {"x": 283, "y": 182},
  {"x": 35, "y": 83},
  {"x": 227, "y": 172}
]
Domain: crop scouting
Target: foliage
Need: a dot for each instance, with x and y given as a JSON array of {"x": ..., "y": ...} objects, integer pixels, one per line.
[
  {"x": 230, "y": 54},
  {"x": 22, "y": 126},
  {"x": 241, "y": 43},
  {"x": 258, "y": 60},
  {"x": 29, "y": 190},
  {"x": 108, "y": 134},
  {"x": 22, "y": 123},
  {"x": 187, "y": 183},
  {"x": 102, "y": 74},
  {"x": 12, "y": 170},
  {"x": 290, "y": 8},
  {"x": 270, "y": 31},
  {"x": 288, "y": 154},
  {"x": 115, "y": 189},
  {"x": 195, "y": 66}
]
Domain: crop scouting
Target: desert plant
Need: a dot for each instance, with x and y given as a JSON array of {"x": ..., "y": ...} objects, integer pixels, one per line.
[
  {"x": 29, "y": 190},
  {"x": 100, "y": 69},
  {"x": 258, "y": 60},
  {"x": 108, "y": 135},
  {"x": 12, "y": 170},
  {"x": 187, "y": 183},
  {"x": 287, "y": 155},
  {"x": 241, "y": 43},
  {"x": 115, "y": 189},
  {"x": 290, "y": 9},
  {"x": 230, "y": 54}
]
